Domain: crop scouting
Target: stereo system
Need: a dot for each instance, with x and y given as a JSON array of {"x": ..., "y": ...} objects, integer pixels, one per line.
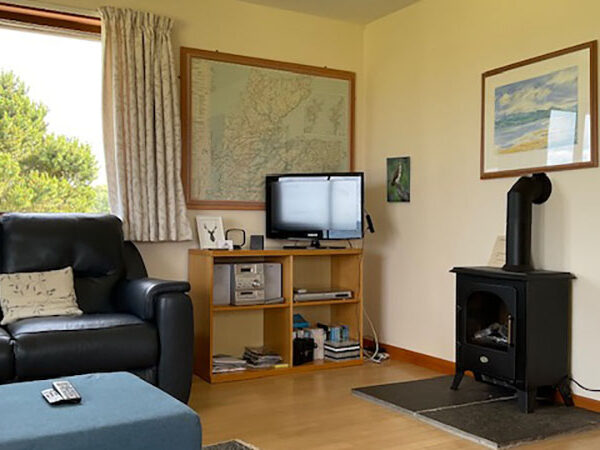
[
  {"x": 248, "y": 276},
  {"x": 247, "y": 284}
]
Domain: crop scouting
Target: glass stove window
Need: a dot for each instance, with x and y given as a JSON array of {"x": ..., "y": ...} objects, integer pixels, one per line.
[{"x": 487, "y": 320}]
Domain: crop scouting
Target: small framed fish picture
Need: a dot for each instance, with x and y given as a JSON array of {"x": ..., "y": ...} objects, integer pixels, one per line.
[
  {"x": 398, "y": 179},
  {"x": 210, "y": 231}
]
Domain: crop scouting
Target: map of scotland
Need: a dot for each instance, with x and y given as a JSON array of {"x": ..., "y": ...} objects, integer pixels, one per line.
[{"x": 250, "y": 121}]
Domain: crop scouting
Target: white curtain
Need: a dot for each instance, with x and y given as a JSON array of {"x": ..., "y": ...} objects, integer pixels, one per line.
[{"x": 141, "y": 119}]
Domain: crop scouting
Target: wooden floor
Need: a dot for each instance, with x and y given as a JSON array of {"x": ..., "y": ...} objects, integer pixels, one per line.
[{"x": 317, "y": 411}]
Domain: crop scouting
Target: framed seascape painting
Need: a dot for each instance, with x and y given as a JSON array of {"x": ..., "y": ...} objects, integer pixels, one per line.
[
  {"x": 541, "y": 114},
  {"x": 244, "y": 118}
]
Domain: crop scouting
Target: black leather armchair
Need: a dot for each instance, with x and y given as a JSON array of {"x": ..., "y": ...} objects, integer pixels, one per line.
[{"x": 130, "y": 322}]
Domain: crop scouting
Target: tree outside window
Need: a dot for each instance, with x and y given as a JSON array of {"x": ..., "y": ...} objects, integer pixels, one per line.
[{"x": 42, "y": 170}]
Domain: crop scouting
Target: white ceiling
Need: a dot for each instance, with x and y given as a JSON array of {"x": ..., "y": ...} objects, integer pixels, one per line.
[{"x": 357, "y": 11}]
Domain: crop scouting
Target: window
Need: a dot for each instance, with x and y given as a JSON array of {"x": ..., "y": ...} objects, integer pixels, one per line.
[{"x": 51, "y": 153}]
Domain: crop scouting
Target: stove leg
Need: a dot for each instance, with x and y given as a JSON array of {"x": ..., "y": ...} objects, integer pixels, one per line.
[
  {"x": 565, "y": 392},
  {"x": 526, "y": 400},
  {"x": 458, "y": 376}
]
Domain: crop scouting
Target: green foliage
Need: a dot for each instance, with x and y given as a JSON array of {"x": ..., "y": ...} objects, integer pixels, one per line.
[
  {"x": 101, "y": 202},
  {"x": 40, "y": 171}
]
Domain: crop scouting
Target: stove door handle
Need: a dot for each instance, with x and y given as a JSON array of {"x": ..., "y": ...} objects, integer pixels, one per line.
[{"x": 510, "y": 330}]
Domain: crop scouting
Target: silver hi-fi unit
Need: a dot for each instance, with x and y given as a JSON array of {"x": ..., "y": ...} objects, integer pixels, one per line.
[
  {"x": 248, "y": 284},
  {"x": 273, "y": 283},
  {"x": 248, "y": 276},
  {"x": 222, "y": 284}
]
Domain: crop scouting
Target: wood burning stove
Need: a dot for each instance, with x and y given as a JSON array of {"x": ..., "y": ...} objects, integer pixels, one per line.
[{"x": 512, "y": 323}]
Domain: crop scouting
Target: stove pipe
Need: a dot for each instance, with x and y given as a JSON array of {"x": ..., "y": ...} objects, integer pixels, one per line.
[{"x": 527, "y": 190}]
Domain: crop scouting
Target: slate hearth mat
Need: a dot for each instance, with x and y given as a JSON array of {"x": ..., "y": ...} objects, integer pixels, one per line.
[
  {"x": 501, "y": 424},
  {"x": 485, "y": 414},
  {"x": 477, "y": 411},
  {"x": 433, "y": 393}
]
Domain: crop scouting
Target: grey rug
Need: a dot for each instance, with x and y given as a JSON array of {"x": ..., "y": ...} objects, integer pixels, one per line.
[
  {"x": 477, "y": 411},
  {"x": 230, "y": 445}
]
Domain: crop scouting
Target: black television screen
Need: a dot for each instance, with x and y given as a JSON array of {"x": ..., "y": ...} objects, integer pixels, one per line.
[{"x": 315, "y": 206}]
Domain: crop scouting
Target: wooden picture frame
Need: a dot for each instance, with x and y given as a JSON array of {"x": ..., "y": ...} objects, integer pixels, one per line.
[
  {"x": 193, "y": 128},
  {"x": 541, "y": 114}
]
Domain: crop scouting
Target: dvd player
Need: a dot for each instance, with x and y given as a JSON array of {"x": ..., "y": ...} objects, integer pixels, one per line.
[{"x": 302, "y": 295}]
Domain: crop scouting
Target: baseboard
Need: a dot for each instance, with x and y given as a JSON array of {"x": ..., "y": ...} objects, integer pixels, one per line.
[
  {"x": 418, "y": 359},
  {"x": 447, "y": 367}
]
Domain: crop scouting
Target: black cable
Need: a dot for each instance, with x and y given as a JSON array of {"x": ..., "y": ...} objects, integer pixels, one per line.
[{"x": 582, "y": 386}]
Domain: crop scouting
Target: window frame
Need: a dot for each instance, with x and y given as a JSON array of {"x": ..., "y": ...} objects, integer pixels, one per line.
[
  {"x": 40, "y": 18},
  {"x": 49, "y": 18}
]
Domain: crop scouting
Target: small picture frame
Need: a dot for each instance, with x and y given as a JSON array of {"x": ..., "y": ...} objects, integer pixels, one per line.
[
  {"x": 210, "y": 231},
  {"x": 398, "y": 179}
]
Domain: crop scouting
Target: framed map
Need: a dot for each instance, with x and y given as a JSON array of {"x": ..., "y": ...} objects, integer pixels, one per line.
[{"x": 244, "y": 118}]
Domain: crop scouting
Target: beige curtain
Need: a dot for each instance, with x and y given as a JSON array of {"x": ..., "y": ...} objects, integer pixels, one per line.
[{"x": 142, "y": 138}]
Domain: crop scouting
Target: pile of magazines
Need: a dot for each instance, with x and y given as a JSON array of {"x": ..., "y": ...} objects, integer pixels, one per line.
[
  {"x": 261, "y": 357},
  {"x": 227, "y": 364}
]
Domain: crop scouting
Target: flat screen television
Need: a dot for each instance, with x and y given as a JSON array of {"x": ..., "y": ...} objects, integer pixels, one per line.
[{"x": 315, "y": 206}]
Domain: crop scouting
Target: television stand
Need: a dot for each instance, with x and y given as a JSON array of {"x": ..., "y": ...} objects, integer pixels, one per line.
[
  {"x": 229, "y": 329},
  {"x": 315, "y": 244}
]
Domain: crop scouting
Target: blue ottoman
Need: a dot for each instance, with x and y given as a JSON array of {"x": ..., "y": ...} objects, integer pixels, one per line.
[{"x": 117, "y": 411}]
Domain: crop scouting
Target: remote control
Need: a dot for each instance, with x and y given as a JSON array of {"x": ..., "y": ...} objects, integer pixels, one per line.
[
  {"x": 52, "y": 397},
  {"x": 67, "y": 391}
]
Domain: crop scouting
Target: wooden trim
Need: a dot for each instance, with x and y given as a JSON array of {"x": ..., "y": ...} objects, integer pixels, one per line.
[
  {"x": 275, "y": 252},
  {"x": 262, "y": 373},
  {"x": 186, "y": 55},
  {"x": 416, "y": 358},
  {"x": 447, "y": 367},
  {"x": 216, "y": 204},
  {"x": 585, "y": 402},
  {"x": 592, "y": 46},
  {"x": 55, "y": 19}
]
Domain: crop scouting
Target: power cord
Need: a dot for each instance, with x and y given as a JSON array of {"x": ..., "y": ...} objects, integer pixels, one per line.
[
  {"x": 373, "y": 357},
  {"x": 582, "y": 386}
]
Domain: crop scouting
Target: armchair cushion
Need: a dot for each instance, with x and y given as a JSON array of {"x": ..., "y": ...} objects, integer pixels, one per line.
[
  {"x": 36, "y": 294},
  {"x": 138, "y": 296},
  {"x": 46, "y": 347}
]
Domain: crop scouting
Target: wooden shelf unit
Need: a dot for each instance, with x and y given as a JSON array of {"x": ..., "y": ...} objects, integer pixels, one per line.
[{"x": 227, "y": 329}]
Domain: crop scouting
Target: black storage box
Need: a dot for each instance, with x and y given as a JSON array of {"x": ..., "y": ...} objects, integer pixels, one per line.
[{"x": 303, "y": 350}]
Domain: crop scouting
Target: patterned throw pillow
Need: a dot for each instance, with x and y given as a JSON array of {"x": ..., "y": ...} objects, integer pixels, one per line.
[{"x": 36, "y": 294}]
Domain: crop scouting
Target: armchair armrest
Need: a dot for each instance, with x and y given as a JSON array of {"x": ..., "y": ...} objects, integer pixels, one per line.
[{"x": 138, "y": 296}]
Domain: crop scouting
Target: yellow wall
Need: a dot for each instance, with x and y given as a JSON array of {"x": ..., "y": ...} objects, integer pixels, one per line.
[
  {"x": 246, "y": 29},
  {"x": 421, "y": 71},
  {"x": 423, "y": 67}
]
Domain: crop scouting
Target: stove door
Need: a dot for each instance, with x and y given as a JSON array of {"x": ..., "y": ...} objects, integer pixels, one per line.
[{"x": 487, "y": 328}]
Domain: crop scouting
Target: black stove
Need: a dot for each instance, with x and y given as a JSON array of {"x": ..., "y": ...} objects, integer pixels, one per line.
[{"x": 512, "y": 323}]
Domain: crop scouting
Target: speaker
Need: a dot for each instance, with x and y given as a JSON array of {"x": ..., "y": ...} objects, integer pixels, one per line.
[
  {"x": 272, "y": 280},
  {"x": 257, "y": 242},
  {"x": 222, "y": 284}
]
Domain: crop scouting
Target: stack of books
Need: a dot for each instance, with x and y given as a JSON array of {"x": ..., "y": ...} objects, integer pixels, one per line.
[
  {"x": 261, "y": 357},
  {"x": 227, "y": 364},
  {"x": 341, "y": 350}
]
